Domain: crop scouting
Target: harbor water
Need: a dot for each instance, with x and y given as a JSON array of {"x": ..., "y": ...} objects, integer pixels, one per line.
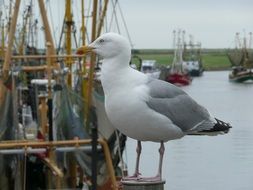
[{"x": 223, "y": 162}]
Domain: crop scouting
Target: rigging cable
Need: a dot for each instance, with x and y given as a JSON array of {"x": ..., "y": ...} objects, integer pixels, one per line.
[
  {"x": 125, "y": 25},
  {"x": 60, "y": 40},
  {"x": 87, "y": 21},
  {"x": 114, "y": 15},
  {"x": 76, "y": 17},
  {"x": 52, "y": 23}
]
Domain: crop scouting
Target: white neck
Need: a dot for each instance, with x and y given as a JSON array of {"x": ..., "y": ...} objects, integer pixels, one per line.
[
  {"x": 117, "y": 73},
  {"x": 113, "y": 71}
]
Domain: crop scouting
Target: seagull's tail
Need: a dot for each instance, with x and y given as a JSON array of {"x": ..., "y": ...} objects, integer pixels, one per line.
[{"x": 220, "y": 127}]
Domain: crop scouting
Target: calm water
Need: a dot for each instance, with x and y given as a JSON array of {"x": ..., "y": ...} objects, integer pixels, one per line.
[{"x": 223, "y": 162}]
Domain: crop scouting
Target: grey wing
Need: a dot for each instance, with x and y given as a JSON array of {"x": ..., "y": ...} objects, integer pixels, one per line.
[
  {"x": 179, "y": 107},
  {"x": 162, "y": 89}
]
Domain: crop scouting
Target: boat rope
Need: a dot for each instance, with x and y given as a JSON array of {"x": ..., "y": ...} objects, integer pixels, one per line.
[
  {"x": 114, "y": 15},
  {"x": 125, "y": 25}
]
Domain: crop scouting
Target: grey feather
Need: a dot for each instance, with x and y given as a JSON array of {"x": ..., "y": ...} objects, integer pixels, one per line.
[
  {"x": 179, "y": 107},
  {"x": 162, "y": 89}
]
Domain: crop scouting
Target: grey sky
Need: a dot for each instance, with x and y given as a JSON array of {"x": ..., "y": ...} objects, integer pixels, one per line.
[
  {"x": 151, "y": 22},
  {"x": 212, "y": 22}
]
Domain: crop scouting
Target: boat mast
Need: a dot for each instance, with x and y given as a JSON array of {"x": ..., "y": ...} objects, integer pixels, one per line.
[
  {"x": 175, "y": 51},
  {"x": 11, "y": 35},
  {"x": 48, "y": 34},
  {"x": 237, "y": 41},
  {"x": 244, "y": 49},
  {"x": 84, "y": 71},
  {"x": 92, "y": 62},
  {"x": 9, "y": 18},
  {"x": 177, "y": 64},
  {"x": 24, "y": 31},
  {"x": 181, "y": 50},
  {"x": 2, "y": 36},
  {"x": 101, "y": 19},
  {"x": 250, "y": 40},
  {"x": 83, "y": 30},
  {"x": 69, "y": 23}
]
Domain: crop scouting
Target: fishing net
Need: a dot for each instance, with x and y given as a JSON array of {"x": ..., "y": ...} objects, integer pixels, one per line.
[
  {"x": 69, "y": 123},
  {"x": 10, "y": 164},
  {"x": 68, "y": 115},
  {"x": 235, "y": 57}
]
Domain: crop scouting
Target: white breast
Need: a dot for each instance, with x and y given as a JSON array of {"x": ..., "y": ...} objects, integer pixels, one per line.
[
  {"x": 128, "y": 112},
  {"x": 126, "y": 94}
]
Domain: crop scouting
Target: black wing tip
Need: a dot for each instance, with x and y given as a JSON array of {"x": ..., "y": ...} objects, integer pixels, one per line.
[{"x": 220, "y": 127}]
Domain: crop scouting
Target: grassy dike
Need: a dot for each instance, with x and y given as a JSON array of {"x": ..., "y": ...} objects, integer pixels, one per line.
[{"x": 213, "y": 59}]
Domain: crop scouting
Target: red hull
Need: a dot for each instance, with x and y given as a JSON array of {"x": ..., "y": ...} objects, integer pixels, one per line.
[{"x": 179, "y": 79}]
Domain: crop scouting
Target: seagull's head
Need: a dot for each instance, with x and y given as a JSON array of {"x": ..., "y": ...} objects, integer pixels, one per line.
[{"x": 107, "y": 45}]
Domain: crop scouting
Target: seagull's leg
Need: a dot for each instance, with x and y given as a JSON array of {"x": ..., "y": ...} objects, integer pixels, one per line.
[
  {"x": 137, "y": 165},
  {"x": 136, "y": 174},
  {"x": 161, "y": 152},
  {"x": 158, "y": 177}
]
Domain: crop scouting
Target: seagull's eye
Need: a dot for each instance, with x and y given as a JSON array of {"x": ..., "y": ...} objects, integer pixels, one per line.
[{"x": 101, "y": 41}]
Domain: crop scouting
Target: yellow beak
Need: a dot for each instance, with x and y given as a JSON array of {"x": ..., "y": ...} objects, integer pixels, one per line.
[{"x": 84, "y": 50}]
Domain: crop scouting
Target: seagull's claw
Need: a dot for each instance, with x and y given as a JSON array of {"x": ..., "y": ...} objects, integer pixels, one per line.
[
  {"x": 138, "y": 178},
  {"x": 134, "y": 177},
  {"x": 156, "y": 178}
]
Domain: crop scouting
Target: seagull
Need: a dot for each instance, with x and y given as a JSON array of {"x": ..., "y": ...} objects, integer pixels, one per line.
[{"x": 145, "y": 108}]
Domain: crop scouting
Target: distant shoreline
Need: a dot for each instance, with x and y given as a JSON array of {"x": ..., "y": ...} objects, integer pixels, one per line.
[{"x": 213, "y": 59}]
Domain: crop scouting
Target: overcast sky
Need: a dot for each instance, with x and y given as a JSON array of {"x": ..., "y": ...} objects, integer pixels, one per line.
[
  {"x": 212, "y": 22},
  {"x": 151, "y": 22}
]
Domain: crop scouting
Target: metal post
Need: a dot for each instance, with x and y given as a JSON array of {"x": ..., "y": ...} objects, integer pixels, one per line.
[
  {"x": 49, "y": 101},
  {"x": 92, "y": 62},
  {"x": 94, "y": 143},
  {"x": 50, "y": 119}
]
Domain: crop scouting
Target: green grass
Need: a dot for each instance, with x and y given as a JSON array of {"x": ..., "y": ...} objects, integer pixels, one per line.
[
  {"x": 212, "y": 60},
  {"x": 161, "y": 59},
  {"x": 215, "y": 62}
]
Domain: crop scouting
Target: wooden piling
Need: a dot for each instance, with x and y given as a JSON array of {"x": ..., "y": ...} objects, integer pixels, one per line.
[{"x": 136, "y": 185}]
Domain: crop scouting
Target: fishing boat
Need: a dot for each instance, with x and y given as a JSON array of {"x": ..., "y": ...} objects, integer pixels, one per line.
[
  {"x": 177, "y": 74},
  {"x": 146, "y": 66},
  {"x": 192, "y": 60},
  {"x": 241, "y": 59},
  {"x": 54, "y": 133},
  {"x": 149, "y": 67}
]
